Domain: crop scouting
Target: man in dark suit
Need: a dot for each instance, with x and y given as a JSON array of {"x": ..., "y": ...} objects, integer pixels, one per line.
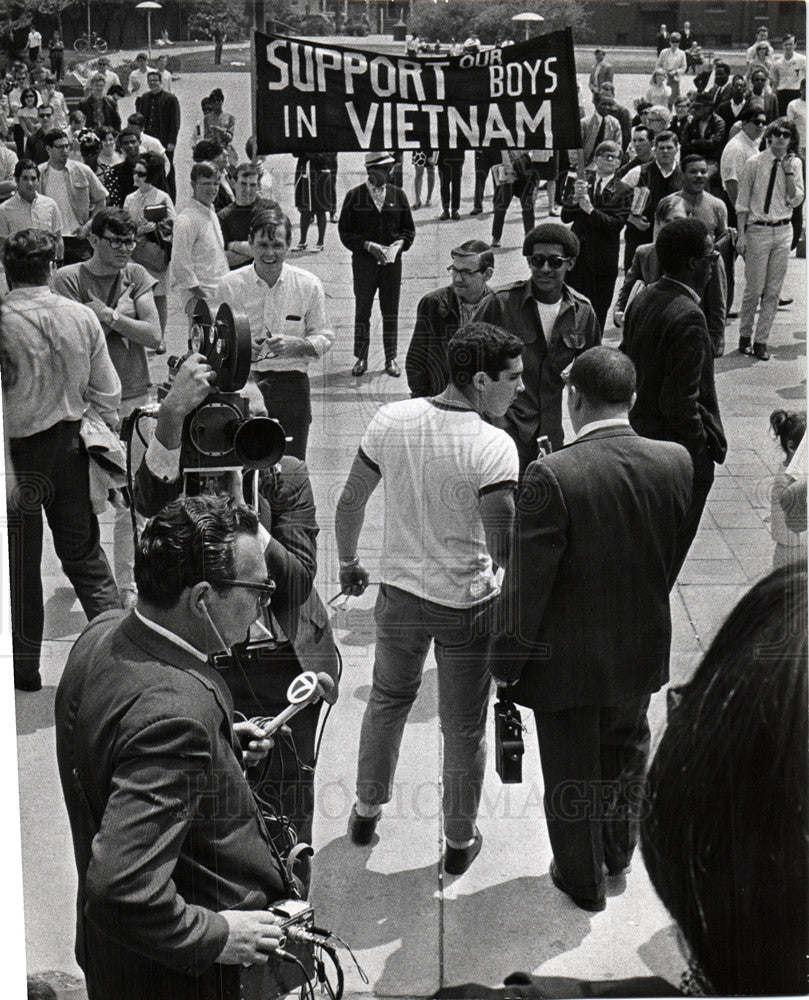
[
  {"x": 730, "y": 111},
  {"x": 161, "y": 112},
  {"x": 586, "y": 626},
  {"x": 297, "y": 620},
  {"x": 175, "y": 864},
  {"x": 376, "y": 225},
  {"x": 598, "y": 213},
  {"x": 666, "y": 336}
]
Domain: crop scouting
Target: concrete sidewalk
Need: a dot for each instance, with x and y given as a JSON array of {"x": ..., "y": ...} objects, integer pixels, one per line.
[{"x": 412, "y": 928}]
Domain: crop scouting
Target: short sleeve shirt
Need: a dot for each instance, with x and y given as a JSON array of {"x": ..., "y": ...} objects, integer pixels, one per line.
[
  {"x": 436, "y": 463},
  {"x": 77, "y": 281}
]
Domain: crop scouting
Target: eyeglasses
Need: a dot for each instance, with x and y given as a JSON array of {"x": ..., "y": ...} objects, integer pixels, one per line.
[
  {"x": 712, "y": 256},
  {"x": 760, "y": 122},
  {"x": 608, "y": 156},
  {"x": 116, "y": 242},
  {"x": 556, "y": 261},
  {"x": 779, "y": 133},
  {"x": 264, "y": 591},
  {"x": 462, "y": 271}
]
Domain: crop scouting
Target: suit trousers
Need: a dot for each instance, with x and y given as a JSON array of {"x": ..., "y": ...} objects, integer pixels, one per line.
[
  {"x": 593, "y": 763},
  {"x": 599, "y": 288},
  {"x": 482, "y": 167},
  {"x": 525, "y": 189},
  {"x": 288, "y": 399},
  {"x": 405, "y": 627},
  {"x": 449, "y": 174},
  {"x": 765, "y": 267},
  {"x": 634, "y": 238},
  {"x": 703, "y": 481},
  {"x": 370, "y": 277},
  {"x": 51, "y": 473}
]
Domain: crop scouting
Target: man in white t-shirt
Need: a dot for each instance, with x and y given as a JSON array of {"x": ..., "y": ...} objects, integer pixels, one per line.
[{"x": 449, "y": 505}]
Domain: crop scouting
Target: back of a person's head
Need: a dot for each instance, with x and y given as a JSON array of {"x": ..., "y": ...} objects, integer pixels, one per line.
[
  {"x": 725, "y": 838},
  {"x": 678, "y": 242},
  {"x": 27, "y": 256},
  {"x": 206, "y": 149},
  {"x": 789, "y": 427},
  {"x": 604, "y": 377},
  {"x": 38, "y": 989},
  {"x": 480, "y": 347}
]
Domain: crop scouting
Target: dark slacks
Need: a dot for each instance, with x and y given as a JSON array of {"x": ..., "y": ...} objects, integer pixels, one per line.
[
  {"x": 287, "y": 397},
  {"x": 703, "y": 481},
  {"x": 482, "y": 167},
  {"x": 593, "y": 763},
  {"x": 449, "y": 173},
  {"x": 285, "y": 780},
  {"x": 633, "y": 238},
  {"x": 171, "y": 177},
  {"x": 51, "y": 472},
  {"x": 784, "y": 97},
  {"x": 370, "y": 277},
  {"x": 524, "y": 189},
  {"x": 599, "y": 288}
]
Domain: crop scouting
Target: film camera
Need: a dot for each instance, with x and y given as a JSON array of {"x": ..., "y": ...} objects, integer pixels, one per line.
[
  {"x": 220, "y": 437},
  {"x": 508, "y": 741}
]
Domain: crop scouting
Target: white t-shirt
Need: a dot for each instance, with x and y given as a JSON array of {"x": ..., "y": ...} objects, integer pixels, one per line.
[
  {"x": 435, "y": 463},
  {"x": 547, "y": 315}
]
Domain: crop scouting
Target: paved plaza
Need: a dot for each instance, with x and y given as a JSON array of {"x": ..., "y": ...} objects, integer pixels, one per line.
[{"x": 412, "y": 928}]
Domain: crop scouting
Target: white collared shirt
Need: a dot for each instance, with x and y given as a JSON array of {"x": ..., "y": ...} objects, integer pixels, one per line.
[
  {"x": 597, "y": 425},
  {"x": 377, "y": 195},
  {"x": 42, "y": 213},
  {"x": 753, "y": 185},
  {"x": 198, "y": 254},
  {"x": 172, "y": 637},
  {"x": 295, "y": 306}
]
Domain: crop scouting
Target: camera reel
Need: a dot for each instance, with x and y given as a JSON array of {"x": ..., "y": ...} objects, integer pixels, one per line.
[{"x": 220, "y": 434}]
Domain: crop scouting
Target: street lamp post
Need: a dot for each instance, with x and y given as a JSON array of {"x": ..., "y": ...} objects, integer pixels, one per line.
[
  {"x": 149, "y": 6},
  {"x": 526, "y": 18}
]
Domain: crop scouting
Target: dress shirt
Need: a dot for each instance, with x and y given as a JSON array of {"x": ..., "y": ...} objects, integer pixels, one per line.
[
  {"x": 8, "y": 161},
  {"x": 597, "y": 425},
  {"x": 753, "y": 185},
  {"x": 172, "y": 637},
  {"x": 672, "y": 62},
  {"x": 61, "y": 359},
  {"x": 198, "y": 254},
  {"x": 85, "y": 192},
  {"x": 270, "y": 311},
  {"x": 41, "y": 213},
  {"x": 377, "y": 194},
  {"x": 632, "y": 177},
  {"x": 788, "y": 73},
  {"x": 796, "y": 113},
  {"x": 734, "y": 156}
]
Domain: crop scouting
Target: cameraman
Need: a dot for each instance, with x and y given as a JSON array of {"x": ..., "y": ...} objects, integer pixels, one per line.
[
  {"x": 297, "y": 617},
  {"x": 175, "y": 867}
]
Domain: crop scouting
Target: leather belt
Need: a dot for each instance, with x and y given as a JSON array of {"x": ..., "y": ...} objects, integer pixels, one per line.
[{"x": 781, "y": 222}]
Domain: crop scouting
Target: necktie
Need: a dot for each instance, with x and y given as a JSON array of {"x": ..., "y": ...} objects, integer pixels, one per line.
[{"x": 770, "y": 186}]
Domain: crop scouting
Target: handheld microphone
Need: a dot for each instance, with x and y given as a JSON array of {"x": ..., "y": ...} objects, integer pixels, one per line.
[{"x": 304, "y": 690}]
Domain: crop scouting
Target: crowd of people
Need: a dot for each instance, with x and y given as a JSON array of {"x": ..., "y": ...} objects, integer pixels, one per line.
[{"x": 546, "y": 569}]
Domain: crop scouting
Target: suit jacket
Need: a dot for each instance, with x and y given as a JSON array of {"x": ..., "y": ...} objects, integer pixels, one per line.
[
  {"x": 596, "y": 129},
  {"x": 726, "y": 113},
  {"x": 361, "y": 221},
  {"x": 162, "y": 114},
  {"x": 666, "y": 336},
  {"x": 438, "y": 317},
  {"x": 710, "y": 145},
  {"x": 166, "y": 832},
  {"x": 287, "y": 511},
  {"x": 585, "y": 603},
  {"x": 599, "y": 232},
  {"x": 106, "y": 115}
]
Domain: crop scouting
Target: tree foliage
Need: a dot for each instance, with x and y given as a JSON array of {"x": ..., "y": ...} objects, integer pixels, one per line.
[
  {"x": 214, "y": 17},
  {"x": 491, "y": 21}
]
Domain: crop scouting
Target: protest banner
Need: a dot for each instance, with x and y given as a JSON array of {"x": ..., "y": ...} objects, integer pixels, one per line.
[{"x": 315, "y": 97}]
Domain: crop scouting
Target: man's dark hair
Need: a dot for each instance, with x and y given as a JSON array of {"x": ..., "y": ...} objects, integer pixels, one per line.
[
  {"x": 480, "y": 347},
  {"x": 206, "y": 149},
  {"x": 749, "y": 114},
  {"x": 787, "y": 126},
  {"x": 24, "y": 165},
  {"x": 475, "y": 248},
  {"x": 642, "y": 128},
  {"x": 267, "y": 220},
  {"x": 27, "y": 256},
  {"x": 678, "y": 242},
  {"x": 51, "y": 138},
  {"x": 691, "y": 158},
  {"x": 248, "y": 169},
  {"x": 718, "y": 64},
  {"x": 123, "y": 134},
  {"x": 136, "y": 118},
  {"x": 666, "y": 136},
  {"x": 38, "y": 989},
  {"x": 551, "y": 232},
  {"x": 604, "y": 376},
  {"x": 204, "y": 170},
  {"x": 189, "y": 541},
  {"x": 116, "y": 220}
]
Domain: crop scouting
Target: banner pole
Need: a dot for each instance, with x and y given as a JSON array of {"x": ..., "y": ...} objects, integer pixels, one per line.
[{"x": 254, "y": 86}]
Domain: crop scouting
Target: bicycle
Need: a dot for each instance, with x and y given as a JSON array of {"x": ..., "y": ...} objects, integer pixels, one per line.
[{"x": 92, "y": 41}]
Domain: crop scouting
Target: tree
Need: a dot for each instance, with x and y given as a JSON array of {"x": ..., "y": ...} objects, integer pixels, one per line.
[
  {"x": 219, "y": 17},
  {"x": 54, "y": 8},
  {"x": 492, "y": 21}
]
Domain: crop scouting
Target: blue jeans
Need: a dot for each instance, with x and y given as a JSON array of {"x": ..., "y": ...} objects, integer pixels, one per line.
[{"x": 405, "y": 626}]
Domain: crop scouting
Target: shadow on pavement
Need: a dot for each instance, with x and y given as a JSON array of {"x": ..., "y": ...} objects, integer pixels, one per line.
[{"x": 34, "y": 710}]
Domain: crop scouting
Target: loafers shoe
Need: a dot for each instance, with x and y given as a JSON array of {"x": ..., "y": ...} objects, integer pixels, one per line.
[
  {"x": 476, "y": 211},
  {"x": 360, "y": 367},
  {"x": 783, "y": 303},
  {"x": 392, "y": 368},
  {"x": 444, "y": 215},
  {"x": 456, "y": 215},
  {"x": 28, "y": 682},
  {"x": 458, "y": 859},
  {"x": 591, "y": 905},
  {"x": 744, "y": 346},
  {"x": 362, "y": 828},
  {"x": 760, "y": 352}
]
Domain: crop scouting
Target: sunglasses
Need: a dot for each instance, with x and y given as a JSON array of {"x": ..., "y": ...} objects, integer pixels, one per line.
[
  {"x": 117, "y": 242},
  {"x": 554, "y": 260},
  {"x": 780, "y": 134},
  {"x": 263, "y": 591},
  {"x": 45, "y": 114},
  {"x": 139, "y": 173},
  {"x": 760, "y": 122}
]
